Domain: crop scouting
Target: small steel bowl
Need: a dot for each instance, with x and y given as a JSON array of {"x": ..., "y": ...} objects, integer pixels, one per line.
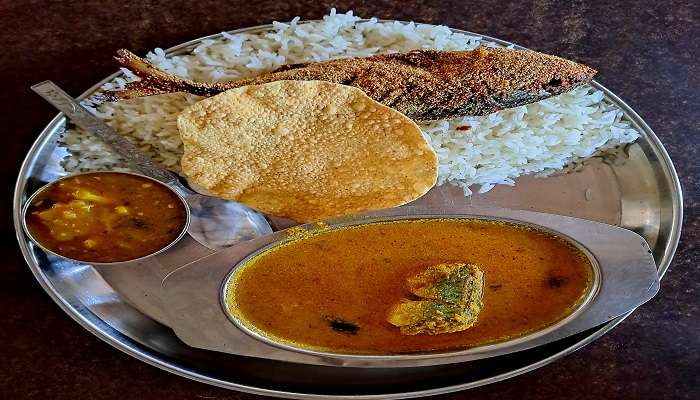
[{"x": 38, "y": 243}]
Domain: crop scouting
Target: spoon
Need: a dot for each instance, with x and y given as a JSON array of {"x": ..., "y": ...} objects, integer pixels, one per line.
[{"x": 215, "y": 223}]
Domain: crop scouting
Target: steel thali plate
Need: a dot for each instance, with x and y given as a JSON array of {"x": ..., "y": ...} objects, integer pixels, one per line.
[{"x": 640, "y": 192}]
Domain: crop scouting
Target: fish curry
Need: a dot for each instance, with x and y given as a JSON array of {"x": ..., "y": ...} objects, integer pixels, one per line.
[{"x": 338, "y": 289}]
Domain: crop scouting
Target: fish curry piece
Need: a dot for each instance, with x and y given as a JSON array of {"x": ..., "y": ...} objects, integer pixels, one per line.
[
  {"x": 450, "y": 300},
  {"x": 422, "y": 84}
]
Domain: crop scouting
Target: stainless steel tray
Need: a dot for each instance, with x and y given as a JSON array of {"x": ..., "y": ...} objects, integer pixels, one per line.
[{"x": 640, "y": 192}]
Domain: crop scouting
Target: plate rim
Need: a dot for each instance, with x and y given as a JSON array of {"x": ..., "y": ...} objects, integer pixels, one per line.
[{"x": 149, "y": 356}]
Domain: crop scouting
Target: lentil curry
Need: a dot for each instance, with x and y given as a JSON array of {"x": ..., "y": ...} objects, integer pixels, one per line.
[
  {"x": 106, "y": 217},
  {"x": 333, "y": 290}
]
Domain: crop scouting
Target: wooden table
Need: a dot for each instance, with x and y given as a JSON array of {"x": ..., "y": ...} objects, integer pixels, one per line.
[{"x": 646, "y": 52}]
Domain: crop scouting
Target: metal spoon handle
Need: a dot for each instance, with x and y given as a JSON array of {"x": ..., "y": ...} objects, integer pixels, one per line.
[{"x": 84, "y": 119}]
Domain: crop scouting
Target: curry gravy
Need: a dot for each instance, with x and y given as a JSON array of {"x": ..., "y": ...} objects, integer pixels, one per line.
[
  {"x": 303, "y": 291},
  {"x": 106, "y": 217}
]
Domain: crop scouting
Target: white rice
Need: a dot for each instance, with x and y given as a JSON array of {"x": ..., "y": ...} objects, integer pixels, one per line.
[{"x": 538, "y": 138}]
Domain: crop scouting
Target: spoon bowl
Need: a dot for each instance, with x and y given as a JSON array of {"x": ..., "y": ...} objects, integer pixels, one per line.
[{"x": 218, "y": 223}]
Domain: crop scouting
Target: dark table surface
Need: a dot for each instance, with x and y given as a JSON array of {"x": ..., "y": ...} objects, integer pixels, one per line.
[{"x": 646, "y": 52}]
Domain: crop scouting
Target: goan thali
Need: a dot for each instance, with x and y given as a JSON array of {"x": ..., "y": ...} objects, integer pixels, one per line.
[{"x": 637, "y": 189}]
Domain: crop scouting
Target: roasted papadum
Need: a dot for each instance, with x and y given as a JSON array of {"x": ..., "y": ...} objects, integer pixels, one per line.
[{"x": 305, "y": 150}]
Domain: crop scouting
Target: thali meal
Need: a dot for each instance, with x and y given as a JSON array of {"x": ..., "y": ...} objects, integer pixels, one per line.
[
  {"x": 105, "y": 217},
  {"x": 305, "y": 150},
  {"x": 408, "y": 286},
  {"x": 319, "y": 120},
  {"x": 424, "y": 85}
]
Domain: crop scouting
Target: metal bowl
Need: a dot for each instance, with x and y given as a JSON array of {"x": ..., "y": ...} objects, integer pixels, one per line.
[
  {"x": 498, "y": 347},
  {"x": 28, "y": 203}
]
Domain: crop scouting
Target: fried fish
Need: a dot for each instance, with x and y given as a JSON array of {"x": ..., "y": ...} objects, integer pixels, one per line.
[{"x": 422, "y": 84}]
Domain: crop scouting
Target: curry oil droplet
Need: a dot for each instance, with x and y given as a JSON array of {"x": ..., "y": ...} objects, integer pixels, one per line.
[{"x": 121, "y": 210}]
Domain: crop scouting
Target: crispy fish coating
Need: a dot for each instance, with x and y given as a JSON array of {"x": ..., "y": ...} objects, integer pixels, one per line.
[
  {"x": 422, "y": 84},
  {"x": 305, "y": 150},
  {"x": 451, "y": 299}
]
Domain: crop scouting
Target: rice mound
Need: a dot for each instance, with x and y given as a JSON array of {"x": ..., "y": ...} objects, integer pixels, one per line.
[{"x": 539, "y": 138}]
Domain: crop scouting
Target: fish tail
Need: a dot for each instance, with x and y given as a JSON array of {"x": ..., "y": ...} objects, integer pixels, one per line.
[{"x": 152, "y": 80}]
